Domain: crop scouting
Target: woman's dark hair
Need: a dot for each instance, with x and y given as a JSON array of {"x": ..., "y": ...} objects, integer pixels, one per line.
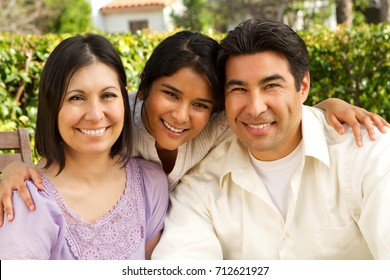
[
  {"x": 183, "y": 49},
  {"x": 254, "y": 36},
  {"x": 67, "y": 58}
]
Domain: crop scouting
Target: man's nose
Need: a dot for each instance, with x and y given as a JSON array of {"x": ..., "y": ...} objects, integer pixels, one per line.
[{"x": 256, "y": 104}]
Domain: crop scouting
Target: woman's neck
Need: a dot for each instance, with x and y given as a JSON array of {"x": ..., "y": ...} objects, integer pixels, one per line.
[
  {"x": 90, "y": 187},
  {"x": 87, "y": 169}
]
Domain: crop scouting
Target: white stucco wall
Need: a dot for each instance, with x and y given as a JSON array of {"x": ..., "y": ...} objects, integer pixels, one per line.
[
  {"x": 97, "y": 17},
  {"x": 119, "y": 22},
  {"x": 158, "y": 18}
]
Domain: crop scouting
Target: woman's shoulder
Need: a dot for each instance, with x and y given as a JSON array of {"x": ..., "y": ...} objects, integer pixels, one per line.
[
  {"x": 149, "y": 168},
  {"x": 40, "y": 196},
  {"x": 153, "y": 176},
  {"x": 38, "y": 233}
]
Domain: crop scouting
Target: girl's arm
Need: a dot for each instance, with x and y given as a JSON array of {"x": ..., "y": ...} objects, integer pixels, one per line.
[
  {"x": 338, "y": 112},
  {"x": 14, "y": 176}
]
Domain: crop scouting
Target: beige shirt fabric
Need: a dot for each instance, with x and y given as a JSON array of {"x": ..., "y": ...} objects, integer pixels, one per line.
[
  {"x": 338, "y": 209},
  {"x": 189, "y": 153}
]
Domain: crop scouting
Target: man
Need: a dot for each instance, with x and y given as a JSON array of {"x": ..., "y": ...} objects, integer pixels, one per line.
[{"x": 286, "y": 185}]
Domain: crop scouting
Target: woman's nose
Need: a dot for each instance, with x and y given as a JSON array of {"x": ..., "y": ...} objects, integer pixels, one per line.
[{"x": 95, "y": 111}]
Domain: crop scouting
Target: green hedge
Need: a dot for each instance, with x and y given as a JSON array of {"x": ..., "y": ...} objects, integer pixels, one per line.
[{"x": 352, "y": 64}]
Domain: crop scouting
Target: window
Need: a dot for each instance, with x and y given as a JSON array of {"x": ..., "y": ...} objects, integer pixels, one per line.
[{"x": 138, "y": 25}]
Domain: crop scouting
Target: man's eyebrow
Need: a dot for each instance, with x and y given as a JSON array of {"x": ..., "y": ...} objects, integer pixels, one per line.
[
  {"x": 271, "y": 78},
  {"x": 234, "y": 82}
]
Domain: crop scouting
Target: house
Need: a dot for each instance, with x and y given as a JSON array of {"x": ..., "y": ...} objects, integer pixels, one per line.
[{"x": 121, "y": 16}]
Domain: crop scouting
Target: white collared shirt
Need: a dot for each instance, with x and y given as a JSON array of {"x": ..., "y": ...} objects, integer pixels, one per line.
[{"x": 338, "y": 209}]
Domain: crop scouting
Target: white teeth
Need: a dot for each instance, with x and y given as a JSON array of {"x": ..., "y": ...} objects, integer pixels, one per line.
[
  {"x": 259, "y": 126},
  {"x": 93, "y": 132},
  {"x": 171, "y": 128}
]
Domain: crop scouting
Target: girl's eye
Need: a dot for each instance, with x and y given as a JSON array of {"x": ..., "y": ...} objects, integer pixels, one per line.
[
  {"x": 201, "y": 105},
  {"x": 171, "y": 94}
]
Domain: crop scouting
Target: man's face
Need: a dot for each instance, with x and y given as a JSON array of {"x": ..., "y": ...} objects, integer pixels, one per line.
[{"x": 263, "y": 107}]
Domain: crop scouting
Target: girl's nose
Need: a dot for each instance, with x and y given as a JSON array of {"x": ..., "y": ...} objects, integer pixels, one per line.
[{"x": 181, "y": 113}]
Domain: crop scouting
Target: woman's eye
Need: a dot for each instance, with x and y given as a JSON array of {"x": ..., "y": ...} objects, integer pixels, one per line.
[
  {"x": 75, "y": 98},
  {"x": 109, "y": 95}
]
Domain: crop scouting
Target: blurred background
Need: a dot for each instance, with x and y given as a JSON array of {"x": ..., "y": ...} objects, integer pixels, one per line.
[{"x": 120, "y": 16}]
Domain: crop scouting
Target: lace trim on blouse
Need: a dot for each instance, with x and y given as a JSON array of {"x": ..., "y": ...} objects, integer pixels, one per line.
[{"x": 118, "y": 234}]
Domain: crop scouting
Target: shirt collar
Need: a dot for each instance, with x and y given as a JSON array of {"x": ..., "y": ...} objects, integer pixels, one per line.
[
  {"x": 313, "y": 133},
  {"x": 237, "y": 164}
]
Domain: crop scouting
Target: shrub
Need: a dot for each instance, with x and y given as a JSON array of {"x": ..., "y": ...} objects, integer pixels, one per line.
[{"x": 352, "y": 64}]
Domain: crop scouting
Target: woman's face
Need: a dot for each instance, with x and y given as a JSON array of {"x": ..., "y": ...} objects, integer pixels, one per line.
[
  {"x": 177, "y": 108},
  {"x": 91, "y": 117}
]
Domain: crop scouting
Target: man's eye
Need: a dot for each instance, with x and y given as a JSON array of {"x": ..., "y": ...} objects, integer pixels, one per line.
[
  {"x": 237, "y": 89},
  {"x": 271, "y": 85}
]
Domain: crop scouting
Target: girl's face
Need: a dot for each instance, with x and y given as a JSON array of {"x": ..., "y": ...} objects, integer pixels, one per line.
[
  {"x": 177, "y": 108},
  {"x": 92, "y": 114}
]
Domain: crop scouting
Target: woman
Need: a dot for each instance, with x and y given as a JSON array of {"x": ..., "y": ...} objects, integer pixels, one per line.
[
  {"x": 178, "y": 114},
  {"x": 98, "y": 202}
]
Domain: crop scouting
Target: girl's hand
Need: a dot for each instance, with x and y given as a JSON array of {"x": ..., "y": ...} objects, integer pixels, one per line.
[
  {"x": 14, "y": 176},
  {"x": 338, "y": 112}
]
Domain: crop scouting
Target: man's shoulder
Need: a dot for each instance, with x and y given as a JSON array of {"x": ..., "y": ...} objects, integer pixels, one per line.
[
  {"x": 347, "y": 141},
  {"x": 212, "y": 166},
  {"x": 219, "y": 153}
]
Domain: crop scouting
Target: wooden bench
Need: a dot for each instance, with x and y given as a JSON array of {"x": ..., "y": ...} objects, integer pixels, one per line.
[{"x": 16, "y": 144}]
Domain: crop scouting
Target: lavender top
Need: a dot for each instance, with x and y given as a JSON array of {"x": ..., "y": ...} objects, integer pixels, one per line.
[{"x": 53, "y": 231}]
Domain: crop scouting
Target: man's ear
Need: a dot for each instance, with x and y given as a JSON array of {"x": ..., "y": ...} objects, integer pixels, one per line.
[{"x": 305, "y": 87}]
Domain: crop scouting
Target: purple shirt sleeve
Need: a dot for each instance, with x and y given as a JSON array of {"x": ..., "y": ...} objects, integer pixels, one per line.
[
  {"x": 33, "y": 235},
  {"x": 156, "y": 197}
]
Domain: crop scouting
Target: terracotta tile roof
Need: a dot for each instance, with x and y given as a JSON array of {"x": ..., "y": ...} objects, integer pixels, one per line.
[{"x": 127, "y": 4}]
